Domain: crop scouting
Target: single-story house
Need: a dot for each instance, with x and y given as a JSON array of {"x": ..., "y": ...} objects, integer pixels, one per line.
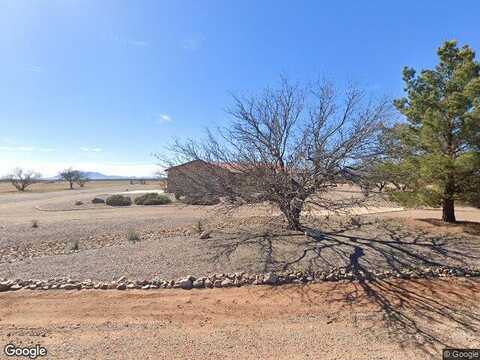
[{"x": 199, "y": 181}]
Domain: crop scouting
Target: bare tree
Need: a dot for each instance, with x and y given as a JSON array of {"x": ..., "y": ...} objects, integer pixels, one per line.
[
  {"x": 21, "y": 178},
  {"x": 82, "y": 179},
  {"x": 289, "y": 145},
  {"x": 70, "y": 175}
]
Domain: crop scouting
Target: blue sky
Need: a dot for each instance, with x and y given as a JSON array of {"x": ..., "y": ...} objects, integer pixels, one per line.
[{"x": 100, "y": 85}]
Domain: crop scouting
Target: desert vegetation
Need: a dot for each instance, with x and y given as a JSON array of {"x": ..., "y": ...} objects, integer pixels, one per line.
[
  {"x": 118, "y": 200},
  {"x": 289, "y": 145},
  {"x": 21, "y": 178},
  {"x": 73, "y": 176},
  {"x": 152, "y": 199},
  {"x": 434, "y": 157}
]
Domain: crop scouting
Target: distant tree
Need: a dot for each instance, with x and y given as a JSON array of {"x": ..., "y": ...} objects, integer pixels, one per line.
[
  {"x": 71, "y": 176},
  {"x": 82, "y": 179},
  {"x": 441, "y": 138},
  {"x": 289, "y": 145},
  {"x": 394, "y": 167},
  {"x": 21, "y": 178}
]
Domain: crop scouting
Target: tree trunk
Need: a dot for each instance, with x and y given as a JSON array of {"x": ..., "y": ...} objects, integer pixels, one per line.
[
  {"x": 292, "y": 213},
  {"x": 71, "y": 185},
  {"x": 448, "y": 210},
  {"x": 448, "y": 200}
]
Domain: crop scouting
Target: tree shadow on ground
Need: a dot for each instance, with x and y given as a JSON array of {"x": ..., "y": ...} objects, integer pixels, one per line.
[
  {"x": 423, "y": 314},
  {"x": 384, "y": 245},
  {"x": 413, "y": 310},
  {"x": 469, "y": 227}
]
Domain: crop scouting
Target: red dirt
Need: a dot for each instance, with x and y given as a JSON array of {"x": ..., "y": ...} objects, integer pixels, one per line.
[{"x": 386, "y": 320}]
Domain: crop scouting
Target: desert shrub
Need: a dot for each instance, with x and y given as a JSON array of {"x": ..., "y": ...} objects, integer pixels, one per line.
[
  {"x": 198, "y": 228},
  {"x": 34, "y": 224},
  {"x": 152, "y": 199},
  {"x": 73, "y": 245},
  {"x": 132, "y": 236},
  {"x": 118, "y": 200}
]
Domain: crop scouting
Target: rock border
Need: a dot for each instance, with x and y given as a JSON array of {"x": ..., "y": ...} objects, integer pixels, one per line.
[{"x": 238, "y": 279}]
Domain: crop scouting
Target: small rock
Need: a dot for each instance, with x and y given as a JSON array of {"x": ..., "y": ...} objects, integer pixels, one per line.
[
  {"x": 70, "y": 286},
  {"x": 78, "y": 203},
  {"x": 270, "y": 279},
  {"x": 198, "y": 283},
  {"x": 185, "y": 283},
  {"x": 5, "y": 285},
  {"x": 98, "y": 200},
  {"x": 205, "y": 235},
  {"x": 121, "y": 287},
  {"x": 226, "y": 283}
]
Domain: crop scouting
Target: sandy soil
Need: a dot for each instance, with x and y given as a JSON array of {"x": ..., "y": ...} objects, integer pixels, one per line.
[
  {"x": 45, "y": 186},
  {"x": 387, "y": 320}
]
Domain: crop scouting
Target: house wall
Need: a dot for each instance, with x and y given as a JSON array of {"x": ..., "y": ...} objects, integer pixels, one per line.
[{"x": 198, "y": 179}]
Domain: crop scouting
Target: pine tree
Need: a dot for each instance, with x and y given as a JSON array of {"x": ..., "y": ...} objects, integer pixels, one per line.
[{"x": 442, "y": 133}]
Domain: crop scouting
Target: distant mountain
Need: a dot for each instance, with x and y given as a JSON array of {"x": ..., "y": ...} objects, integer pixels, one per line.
[{"x": 95, "y": 175}]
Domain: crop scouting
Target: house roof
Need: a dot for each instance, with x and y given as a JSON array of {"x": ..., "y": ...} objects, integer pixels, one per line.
[{"x": 185, "y": 164}]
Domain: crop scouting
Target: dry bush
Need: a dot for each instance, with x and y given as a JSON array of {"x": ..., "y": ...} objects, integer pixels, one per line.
[
  {"x": 132, "y": 236},
  {"x": 152, "y": 199},
  {"x": 21, "y": 178},
  {"x": 118, "y": 200},
  {"x": 287, "y": 146}
]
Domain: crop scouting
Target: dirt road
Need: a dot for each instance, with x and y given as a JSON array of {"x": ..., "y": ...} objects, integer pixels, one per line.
[{"x": 394, "y": 320}]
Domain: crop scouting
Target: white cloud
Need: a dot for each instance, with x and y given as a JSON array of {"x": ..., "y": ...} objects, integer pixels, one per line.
[
  {"x": 88, "y": 149},
  {"x": 11, "y": 145},
  {"x": 7, "y": 140},
  {"x": 164, "y": 119},
  {"x": 17, "y": 148}
]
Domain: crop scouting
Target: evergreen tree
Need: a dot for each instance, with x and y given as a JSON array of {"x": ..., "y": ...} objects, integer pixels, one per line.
[{"x": 442, "y": 134}]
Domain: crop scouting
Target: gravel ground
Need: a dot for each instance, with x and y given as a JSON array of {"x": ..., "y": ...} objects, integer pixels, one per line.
[
  {"x": 388, "y": 320},
  {"x": 370, "y": 245},
  {"x": 249, "y": 240}
]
